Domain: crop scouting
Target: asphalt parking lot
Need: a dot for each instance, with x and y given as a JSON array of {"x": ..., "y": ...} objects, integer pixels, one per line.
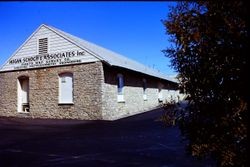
[{"x": 140, "y": 140}]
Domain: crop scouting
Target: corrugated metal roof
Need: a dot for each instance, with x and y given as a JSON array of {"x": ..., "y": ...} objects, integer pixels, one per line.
[{"x": 110, "y": 57}]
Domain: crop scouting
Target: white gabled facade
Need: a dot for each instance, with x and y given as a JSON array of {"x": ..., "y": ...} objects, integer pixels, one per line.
[{"x": 57, "y": 44}]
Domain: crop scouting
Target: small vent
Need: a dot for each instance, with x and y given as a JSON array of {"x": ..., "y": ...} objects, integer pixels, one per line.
[{"x": 43, "y": 46}]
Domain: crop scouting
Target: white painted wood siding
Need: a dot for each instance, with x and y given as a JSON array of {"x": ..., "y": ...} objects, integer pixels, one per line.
[{"x": 56, "y": 44}]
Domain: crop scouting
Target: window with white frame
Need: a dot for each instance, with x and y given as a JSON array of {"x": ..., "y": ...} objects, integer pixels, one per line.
[
  {"x": 160, "y": 96},
  {"x": 144, "y": 85},
  {"x": 66, "y": 88},
  {"x": 23, "y": 94},
  {"x": 120, "y": 85}
]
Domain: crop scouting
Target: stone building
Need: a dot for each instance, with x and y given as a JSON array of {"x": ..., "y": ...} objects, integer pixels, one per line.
[{"x": 56, "y": 75}]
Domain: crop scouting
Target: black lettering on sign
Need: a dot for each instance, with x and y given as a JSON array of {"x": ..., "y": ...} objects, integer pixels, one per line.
[
  {"x": 48, "y": 59},
  {"x": 15, "y": 61},
  {"x": 80, "y": 53}
]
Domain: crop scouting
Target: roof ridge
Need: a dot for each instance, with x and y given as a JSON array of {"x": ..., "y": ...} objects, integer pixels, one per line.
[
  {"x": 109, "y": 56},
  {"x": 91, "y": 43},
  {"x": 145, "y": 69}
]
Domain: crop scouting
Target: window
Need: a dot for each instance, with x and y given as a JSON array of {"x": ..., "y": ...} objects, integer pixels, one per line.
[
  {"x": 66, "y": 88},
  {"x": 120, "y": 85},
  {"x": 63, "y": 80},
  {"x": 42, "y": 46},
  {"x": 23, "y": 94},
  {"x": 160, "y": 97},
  {"x": 144, "y": 85}
]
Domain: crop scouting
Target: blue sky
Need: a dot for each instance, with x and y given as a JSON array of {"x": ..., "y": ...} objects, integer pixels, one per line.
[{"x": 133, "y": 29}]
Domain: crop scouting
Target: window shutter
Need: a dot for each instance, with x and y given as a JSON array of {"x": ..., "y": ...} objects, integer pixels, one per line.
[
  {"x": 25, "y": 91},
  {"x": 120, "y": 85},
  {"x": 66, "y": 88},
  {"x": 144, "y": 84}
]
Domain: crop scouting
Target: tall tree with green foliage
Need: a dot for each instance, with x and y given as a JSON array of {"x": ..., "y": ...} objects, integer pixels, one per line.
[{"x": 209, "y": 43}]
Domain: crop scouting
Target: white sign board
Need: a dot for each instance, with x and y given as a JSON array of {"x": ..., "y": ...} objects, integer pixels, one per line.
[{"x": 46, "y": 60}]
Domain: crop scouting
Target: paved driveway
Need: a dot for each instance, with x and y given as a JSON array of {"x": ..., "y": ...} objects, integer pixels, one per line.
[{"x": 140, "y": 140}]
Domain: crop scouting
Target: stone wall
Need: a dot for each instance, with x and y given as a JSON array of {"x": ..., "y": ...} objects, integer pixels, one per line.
[
  {"x": 94, "y": 93},
  {"x": 133, "y": 93},
  {"x": 43, "y": 93}
]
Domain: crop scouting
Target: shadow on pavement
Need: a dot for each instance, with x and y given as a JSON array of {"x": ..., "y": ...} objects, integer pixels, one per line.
[{"x": 139, "y": 140}]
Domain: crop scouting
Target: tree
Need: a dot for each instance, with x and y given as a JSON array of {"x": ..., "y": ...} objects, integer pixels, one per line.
[{"x": 209, "y": 42}]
